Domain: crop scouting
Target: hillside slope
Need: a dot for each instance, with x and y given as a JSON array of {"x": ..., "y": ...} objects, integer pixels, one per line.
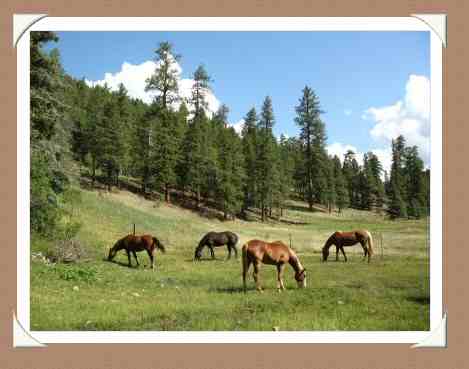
[{"x": 392, "y": 293}]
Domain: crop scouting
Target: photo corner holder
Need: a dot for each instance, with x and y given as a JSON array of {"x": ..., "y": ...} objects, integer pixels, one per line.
[
  {"x": 21, "y": 337},
  {"x": 436, "y": 22},
  {"x": 22, "y": 22},
  {"x": 437, "y": 338}
]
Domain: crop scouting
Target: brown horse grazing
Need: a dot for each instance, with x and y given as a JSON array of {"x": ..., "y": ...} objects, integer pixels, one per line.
[
  {"x": 133, "y": 244},
  {"x": 341, "y": 239},
  {"x": 216, "y": 239},
  {"x": 275, "y": 253}
]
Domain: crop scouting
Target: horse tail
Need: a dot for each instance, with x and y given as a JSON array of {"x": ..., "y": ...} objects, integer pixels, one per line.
[
  {"x": 245, "y": 264},
  {"x": 370, "y": 244},
  {"x": 159, "y": 245}
]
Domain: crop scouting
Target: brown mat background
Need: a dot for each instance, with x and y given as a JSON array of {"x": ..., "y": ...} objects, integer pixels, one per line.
[{"x": 220, "y": 356}]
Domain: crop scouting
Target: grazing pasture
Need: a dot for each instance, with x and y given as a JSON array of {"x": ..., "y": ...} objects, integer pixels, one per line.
[{"x": 390, "y": 293}]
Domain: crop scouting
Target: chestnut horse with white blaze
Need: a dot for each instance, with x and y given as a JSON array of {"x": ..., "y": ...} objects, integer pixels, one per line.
[
  {"x": 133, "y": 244},
  {"x": 274, "y": 253},
  {"x": 341, "y": 239}
]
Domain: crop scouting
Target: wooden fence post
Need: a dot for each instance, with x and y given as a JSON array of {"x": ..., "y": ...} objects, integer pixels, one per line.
[
  {"x": 134, "y": 229},
  {"x": 382, "y": 247}
]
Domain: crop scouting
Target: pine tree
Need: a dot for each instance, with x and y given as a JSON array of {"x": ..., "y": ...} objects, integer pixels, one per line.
[
  {"x": 200, "y": 89},
  {"x": 199, "y": 154},
  {"x": 415, "y": 183},
  {"x": 48, "y": 180},
  {"x": 285, "y": 172},
  {"x": 164, "y": 82},
  {"x": 313, "y": 136},
  {"x": 109, "y": 141},
  {"x": 265, "y": 166},
  {"x": 249, "y": 141},
  {"x": 125, "y": 128},
  {"x": 229, "y": 192},
  {"x": 330, "y": 193},
  {"x": 397, "y": 206},
  {"x": 351, "y": 171},
  {"x": 341, "y": 190}
]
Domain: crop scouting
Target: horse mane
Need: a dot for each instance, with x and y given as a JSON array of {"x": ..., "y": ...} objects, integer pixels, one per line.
[
  {"x": 294, "y": 261},
  {"x": 202, "y": 241},
  {"x": 330, "y": 241},
  {"x": 158, "y": 244}
]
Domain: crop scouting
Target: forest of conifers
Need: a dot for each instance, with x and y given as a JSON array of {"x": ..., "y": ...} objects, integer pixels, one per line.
[{"x": 112, "y": 138}]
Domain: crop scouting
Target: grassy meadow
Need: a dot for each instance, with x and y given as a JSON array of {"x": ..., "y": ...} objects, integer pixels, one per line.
[{"x": 390, "y": 293}]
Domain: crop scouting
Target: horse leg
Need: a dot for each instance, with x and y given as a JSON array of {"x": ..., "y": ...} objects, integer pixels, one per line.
[
  {"x": 245, "y": 272},
  {"x": 229, "y": 251},
  {"x": 235, "y": 251},
  {"x": 150, "y": 255},
  {"x": 211, "y": 251},
  {"x": 343, "y": 253},
  {"x": 337, "y": 253},
  {"x": 365, "y": 250},
  {"x": 257, "y": 265},
  {"x": 280, "y": 286},
  {"x": 128, "y": 256},
  {"x": 135, "y": 256}
]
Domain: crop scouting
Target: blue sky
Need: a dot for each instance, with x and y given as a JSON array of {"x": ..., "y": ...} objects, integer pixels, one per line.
[{"x": 358, "y": 76}]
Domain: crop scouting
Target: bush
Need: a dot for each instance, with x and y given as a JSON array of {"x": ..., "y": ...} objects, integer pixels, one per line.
[
  {"x": 78, "y": 274},
  {"x": 67, "y": 251}
]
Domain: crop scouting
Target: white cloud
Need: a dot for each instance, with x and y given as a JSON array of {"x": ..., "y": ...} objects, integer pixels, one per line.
[
  {"x": 339, "y": 149},
  {"x": 347, "y": 112},
  {"x": 133, "y": 77},
  {"x": 238, "y": 126},
  {"x": 409, "y": 117}
]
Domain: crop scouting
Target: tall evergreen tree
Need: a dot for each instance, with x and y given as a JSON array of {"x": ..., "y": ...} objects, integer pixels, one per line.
[
  {"x": 199, "y": 154},
  {"x": 200, "y": 88},
  {"x": 109, "y": 141},
  {"x": 285, "y": 172},
  {"x": 330, "y": 193},
  {"x": 47, "y": 111},
  {"x": 249, "y": 141},
  {"x": 351, "y": 171},
  {"x": 164, "y": 82},
  {"x": 341, "y": 190},
  {"x": 229, "y": 192},
  {"x": 266, "y": 155},
  {"x": 397, "y": 206},
  {"x": 415, "y": 183},
  {"x": 313, "y": 136}
]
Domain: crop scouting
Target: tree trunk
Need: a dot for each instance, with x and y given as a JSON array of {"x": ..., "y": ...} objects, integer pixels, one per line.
[
  {"x": 94, "y": 170},
  {"x": 263, "y": 211},
  {"x": 198, "y": 197},
  {"x": 167, "y": 196}
]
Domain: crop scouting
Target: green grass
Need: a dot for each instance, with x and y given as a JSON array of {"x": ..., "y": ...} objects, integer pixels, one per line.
[{"x": 391, "y": 293}]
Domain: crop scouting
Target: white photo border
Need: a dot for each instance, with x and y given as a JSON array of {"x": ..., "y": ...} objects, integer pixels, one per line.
[{"x": 227, "y": 24}]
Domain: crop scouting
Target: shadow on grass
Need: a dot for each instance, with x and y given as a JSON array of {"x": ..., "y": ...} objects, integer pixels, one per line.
[
  {"x": 422, "y": 300},
  {"x": 229, "y": 290}
]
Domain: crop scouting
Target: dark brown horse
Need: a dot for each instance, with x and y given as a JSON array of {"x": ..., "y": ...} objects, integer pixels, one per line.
[
  {"x": 275, "y": 253},
  {"x": 216, "y": 239},
  {"x": 133, "y": 244},
  {"x": 341, "y": 239}
]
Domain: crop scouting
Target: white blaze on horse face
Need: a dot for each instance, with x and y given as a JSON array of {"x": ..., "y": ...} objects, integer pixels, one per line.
[{"x": 302, "y": 284}]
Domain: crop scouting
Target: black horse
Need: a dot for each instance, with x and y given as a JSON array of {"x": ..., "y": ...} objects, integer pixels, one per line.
[{"x": 215, "y": 239}]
